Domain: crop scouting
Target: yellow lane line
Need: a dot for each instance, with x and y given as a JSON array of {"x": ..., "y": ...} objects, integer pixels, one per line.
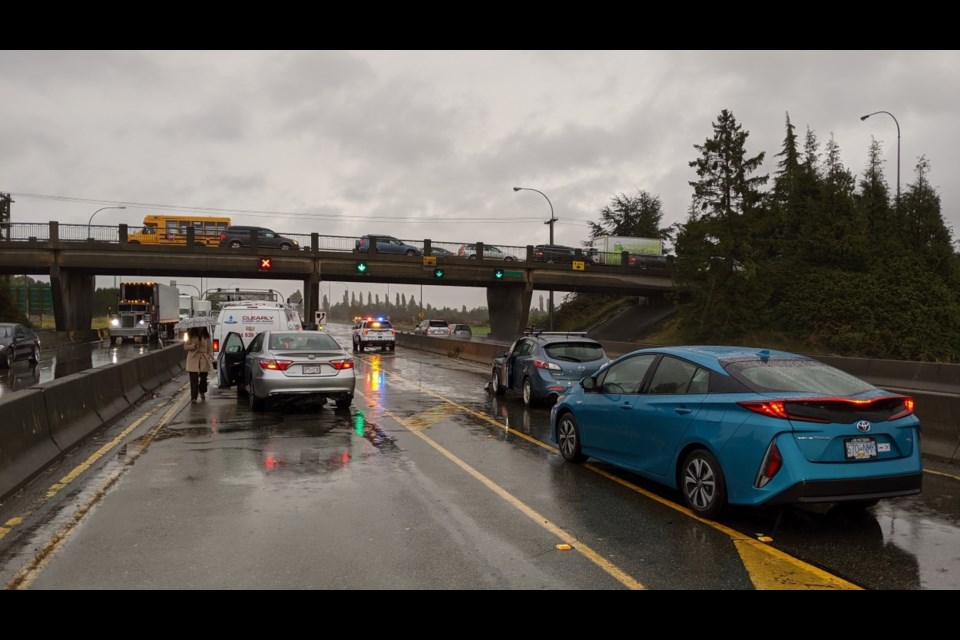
[
  {"x": 941, "y": 473},
  {"x": 28, "y": 573},
  {"x": 797, "y": 571},
  {"x": 618, "y": 574}
]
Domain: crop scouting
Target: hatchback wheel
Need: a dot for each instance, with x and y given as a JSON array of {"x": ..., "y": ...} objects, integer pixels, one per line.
[
  {"x": 702, "y": 484},
  {"x": 528, "y": 398},
  {"x": 568, "y": 439},
  {"x": 495, "y": 386}
]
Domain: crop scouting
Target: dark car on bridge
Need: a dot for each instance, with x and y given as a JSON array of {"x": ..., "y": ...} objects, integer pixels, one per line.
[
  {"x": 386, "y": 244},
  {"x": 559, "y": 253},
  {"x": 543, "y": 365},
  {"x": 239, "y": 236},
  {"x": 745, "y": 426},
  {"x": 18, "y": 342}
]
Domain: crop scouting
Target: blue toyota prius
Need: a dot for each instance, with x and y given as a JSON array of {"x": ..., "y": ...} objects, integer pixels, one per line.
[{"x": 735, "y": 425}]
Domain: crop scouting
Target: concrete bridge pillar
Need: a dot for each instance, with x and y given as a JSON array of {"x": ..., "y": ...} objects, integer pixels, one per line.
[
  {"x": 72, "y": 294},
  {"x": 509, "y": 306},
  {"x": 311, "y": 295}
]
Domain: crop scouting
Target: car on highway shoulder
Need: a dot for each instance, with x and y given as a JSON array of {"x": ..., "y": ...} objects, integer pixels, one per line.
[
  {"x": 18, "y": 342},
  {"x": 543, "y": 365},
  {"x": 744, "y": 426},
  {"x": 285, "y": 364},
  {"x": 432, "y": 327},
  {"x": 462, "y": 331}
]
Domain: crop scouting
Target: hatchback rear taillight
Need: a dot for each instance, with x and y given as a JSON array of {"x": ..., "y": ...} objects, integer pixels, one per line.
[
  {"x": 771, "y": 464},
  {"x": 543, "y": 364},
  {"x": 275, "y": 365},
  {"x": 340, "y": 365}
]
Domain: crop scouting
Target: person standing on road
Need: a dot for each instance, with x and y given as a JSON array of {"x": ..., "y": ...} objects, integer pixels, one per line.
[{"x": 198, "y": 351}]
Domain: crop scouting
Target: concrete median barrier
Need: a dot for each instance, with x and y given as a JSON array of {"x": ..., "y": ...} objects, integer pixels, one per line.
[
  {"x": 25, "y": 443},
  {"x": 130, "y": 381},
  {"x": 71, "y": 409},
  {"x": 108, "y": 397}
]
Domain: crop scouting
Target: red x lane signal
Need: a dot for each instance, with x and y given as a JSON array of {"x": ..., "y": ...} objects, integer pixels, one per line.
[{"x": 266, "y": 264}]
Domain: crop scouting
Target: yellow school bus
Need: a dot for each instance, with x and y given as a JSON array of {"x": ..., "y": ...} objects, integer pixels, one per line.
[{"x": 164, "y": 229}]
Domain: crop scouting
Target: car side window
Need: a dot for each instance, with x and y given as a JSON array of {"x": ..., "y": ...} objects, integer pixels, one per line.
[
  {"x": 517, "y": 347},
  {"x": 256, "y": 345},
  {"x": 626, "y": 376},
  {"x": 672, "y": 376},
  {"x": 527, "y": 348}
]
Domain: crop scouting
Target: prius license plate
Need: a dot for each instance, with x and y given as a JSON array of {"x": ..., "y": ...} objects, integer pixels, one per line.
[
  {"x": 861, "y": 448},
  {"x": 308, "y": 370}
]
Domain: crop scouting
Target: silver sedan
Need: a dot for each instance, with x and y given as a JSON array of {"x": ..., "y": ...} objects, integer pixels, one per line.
[{"x": 288, "y": 363}]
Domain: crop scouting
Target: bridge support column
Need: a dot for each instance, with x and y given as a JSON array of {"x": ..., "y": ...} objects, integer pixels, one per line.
[
  {"x": 509, "y": 306},
  {"x": 311, "y": 295},
  {"x": 72, "y": 294}
]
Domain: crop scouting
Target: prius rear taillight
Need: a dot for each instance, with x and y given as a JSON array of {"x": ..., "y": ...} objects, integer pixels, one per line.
[{"x": 771, "y": 464}]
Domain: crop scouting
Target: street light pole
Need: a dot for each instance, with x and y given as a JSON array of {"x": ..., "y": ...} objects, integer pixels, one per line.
[
  {"x": 549, "y": 222},
  {"x": 898, "y": 146},
  {"x": 95, "y": 213}
]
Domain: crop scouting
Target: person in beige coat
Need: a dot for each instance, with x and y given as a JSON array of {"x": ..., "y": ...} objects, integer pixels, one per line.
[{"x": 199, "y": 353}]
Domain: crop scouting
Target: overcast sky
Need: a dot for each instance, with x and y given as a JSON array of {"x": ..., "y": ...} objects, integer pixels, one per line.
[{"x": 429, "y": 144}]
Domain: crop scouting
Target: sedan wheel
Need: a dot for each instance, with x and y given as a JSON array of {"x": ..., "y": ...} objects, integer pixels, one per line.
[
  {"x": 344, "y": 403},
  {"x": 568, "y": 439},
  {"x": 256, "y": 404},
  {"x": 35, "y": 356},
  {"x": 701, "y": 481},
  {"x": 8, "y": 357},
  {"x": 235, "y": 244}
]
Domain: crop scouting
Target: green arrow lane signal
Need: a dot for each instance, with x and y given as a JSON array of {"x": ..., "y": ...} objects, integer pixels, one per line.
[
  {"x": 438, "y": 273},
  {"x": 361, "y": 267},
  {"x": 498, "y": 274}
]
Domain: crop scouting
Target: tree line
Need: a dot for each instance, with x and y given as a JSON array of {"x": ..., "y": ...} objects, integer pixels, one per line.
[{"x": 827, "y": 258}]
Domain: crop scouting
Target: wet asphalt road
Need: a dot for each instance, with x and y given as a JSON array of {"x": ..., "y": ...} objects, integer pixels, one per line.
[{"x": 427, "y": 482}]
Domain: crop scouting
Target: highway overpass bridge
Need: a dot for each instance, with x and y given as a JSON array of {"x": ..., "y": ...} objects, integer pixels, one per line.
[{"x": 73, "y": 255}]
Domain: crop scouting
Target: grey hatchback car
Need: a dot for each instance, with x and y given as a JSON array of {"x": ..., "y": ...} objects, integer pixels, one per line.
[
  {"x": 279, "y": 364},
  {"x": 543, "y": 365}
]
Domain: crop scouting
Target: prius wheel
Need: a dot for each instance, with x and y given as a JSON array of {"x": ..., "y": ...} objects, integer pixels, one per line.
[
  {"x": 702, "y": 484},
  {"x": 528, "y": 398},
  {"x": 568, "y": 439}
]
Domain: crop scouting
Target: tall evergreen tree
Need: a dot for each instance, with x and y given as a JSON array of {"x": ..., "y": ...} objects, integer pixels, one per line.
[
  {"x": 632, "y": 216},
  {"x": 717, "y": 248}
]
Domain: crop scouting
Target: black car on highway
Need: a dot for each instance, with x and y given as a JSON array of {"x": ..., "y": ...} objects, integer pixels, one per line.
[{"x": 18, "y": 342}]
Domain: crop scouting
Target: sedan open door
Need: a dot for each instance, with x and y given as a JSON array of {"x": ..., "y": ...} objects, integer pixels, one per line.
[{"x": 230, "y": 360}]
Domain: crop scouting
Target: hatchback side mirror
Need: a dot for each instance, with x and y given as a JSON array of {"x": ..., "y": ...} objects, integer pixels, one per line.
[{"x": 589, "y": 383}]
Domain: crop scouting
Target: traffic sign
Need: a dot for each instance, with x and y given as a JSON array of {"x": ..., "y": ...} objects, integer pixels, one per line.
[
  {"x": 579, "y": 265},
  {"x": 320, "y": 317},
  {"x": 266, "y": 263},
  {"x": 429, "y": 261}
]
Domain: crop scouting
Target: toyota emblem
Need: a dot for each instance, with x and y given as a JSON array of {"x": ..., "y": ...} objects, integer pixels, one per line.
[{"x": 863, "y": 426}]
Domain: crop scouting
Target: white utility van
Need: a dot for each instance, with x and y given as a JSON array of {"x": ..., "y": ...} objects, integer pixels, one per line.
[{"x": 250, "y": 317}]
